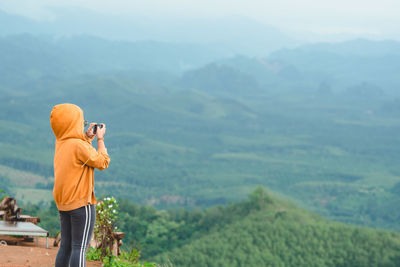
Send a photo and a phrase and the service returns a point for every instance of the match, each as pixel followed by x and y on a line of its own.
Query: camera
pixel 95 127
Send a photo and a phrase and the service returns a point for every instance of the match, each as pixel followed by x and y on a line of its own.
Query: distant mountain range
pixel 26 56
pixel 234 35
pixel 342 65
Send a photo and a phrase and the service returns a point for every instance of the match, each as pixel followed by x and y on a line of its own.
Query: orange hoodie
pixel 74 160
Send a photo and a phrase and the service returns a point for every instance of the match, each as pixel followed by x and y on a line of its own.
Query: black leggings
pixel 76 232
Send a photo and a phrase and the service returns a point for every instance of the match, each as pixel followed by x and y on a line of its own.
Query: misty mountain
pixel 15 24
pixel 371 66
pixel 360 47
pixel 214 79
pixel 24 57
pixel 232 34
pixel 342 64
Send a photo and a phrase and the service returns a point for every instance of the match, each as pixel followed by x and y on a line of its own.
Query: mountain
pixel 26 57
pixel 11 24
pixel 214 78
pixel 232 35
pixel 360 47
pixel 354 62
pixel 266 231
pixel 339 66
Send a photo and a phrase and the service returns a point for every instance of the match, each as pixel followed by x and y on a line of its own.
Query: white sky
pixel 380 18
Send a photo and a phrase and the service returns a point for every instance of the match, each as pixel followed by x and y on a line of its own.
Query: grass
pixel 21 178
pixel 31 195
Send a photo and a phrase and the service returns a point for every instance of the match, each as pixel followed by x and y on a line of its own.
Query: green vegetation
pixel 126 259
pixel 47 212
pixel 327 137
pixel 3 194
pixel 199 141
pixel 263 230
pixel 106 215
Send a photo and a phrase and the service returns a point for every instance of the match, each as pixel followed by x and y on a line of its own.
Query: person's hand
pixel 89 132
pixel 101 131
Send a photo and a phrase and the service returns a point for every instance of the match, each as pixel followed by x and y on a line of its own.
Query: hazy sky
pixel 373 18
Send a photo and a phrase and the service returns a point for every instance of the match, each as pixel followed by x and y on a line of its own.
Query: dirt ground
pixel 32 254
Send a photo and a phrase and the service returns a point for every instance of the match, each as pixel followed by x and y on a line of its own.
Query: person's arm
pixel 100 138
pixel 97 159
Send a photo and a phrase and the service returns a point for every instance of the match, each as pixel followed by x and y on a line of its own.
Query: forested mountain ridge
pixel 271 232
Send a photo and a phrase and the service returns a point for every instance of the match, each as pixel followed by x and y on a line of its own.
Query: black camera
pixel 95 127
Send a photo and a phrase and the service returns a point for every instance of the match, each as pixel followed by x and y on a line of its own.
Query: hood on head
pixel 67 121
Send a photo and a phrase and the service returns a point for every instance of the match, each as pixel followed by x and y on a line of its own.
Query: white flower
pixel 109 206
pixel 114 211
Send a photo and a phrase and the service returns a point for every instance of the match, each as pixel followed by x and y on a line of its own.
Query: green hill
pixel 270 232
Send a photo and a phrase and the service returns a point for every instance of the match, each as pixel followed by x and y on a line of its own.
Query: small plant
pixel 112 261
pixel 132 256
pixel 106 215
pixel 93 254
pixel 3 194
pixel 126 259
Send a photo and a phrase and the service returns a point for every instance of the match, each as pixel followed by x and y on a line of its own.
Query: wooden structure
pixel 9 211
pixel 16 228
pixel 114 245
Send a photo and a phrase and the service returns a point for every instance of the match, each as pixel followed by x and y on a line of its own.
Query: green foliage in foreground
pixel 106 214
pixel 126 259
pixel 156 231
pixel 3 194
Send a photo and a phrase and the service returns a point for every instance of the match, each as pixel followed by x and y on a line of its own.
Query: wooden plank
pixel 27 218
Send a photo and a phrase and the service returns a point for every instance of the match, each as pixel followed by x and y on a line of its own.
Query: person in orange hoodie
pixel 74 161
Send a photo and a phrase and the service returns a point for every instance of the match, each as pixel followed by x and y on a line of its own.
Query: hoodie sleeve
pixel 88 155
